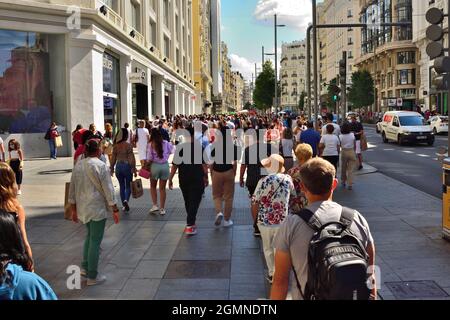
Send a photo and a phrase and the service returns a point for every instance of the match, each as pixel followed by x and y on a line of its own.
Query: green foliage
pixel 247 106
pixel 265 87
pixel 301 103
pixel 361 92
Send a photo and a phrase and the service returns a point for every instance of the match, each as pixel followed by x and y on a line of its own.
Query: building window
pixel 405 77
pixel 113 4
pixel 136 15
pixel 408 57
pixel 152 33
pixel 166 12
pixel 167 47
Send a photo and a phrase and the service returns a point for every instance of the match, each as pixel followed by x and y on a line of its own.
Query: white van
pixel 405 126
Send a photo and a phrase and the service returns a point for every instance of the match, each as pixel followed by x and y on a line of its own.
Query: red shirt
pixel 78 136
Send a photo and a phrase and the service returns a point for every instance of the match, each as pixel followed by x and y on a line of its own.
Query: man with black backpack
pixel 328 248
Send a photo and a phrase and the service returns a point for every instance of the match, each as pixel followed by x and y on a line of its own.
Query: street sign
pixel 399 102
pixel 392 102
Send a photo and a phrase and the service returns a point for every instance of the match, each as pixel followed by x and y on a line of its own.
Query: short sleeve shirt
pixel 273 193
pixel 356 127
pixel 299 201
pixel 294 236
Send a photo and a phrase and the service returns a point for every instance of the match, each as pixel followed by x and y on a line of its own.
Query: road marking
pixel 389 149
pixel 423 155
pixel 407 151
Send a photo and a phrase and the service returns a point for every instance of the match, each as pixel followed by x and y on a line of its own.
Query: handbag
pixel 67 206
pixel 58 142
pixel 136 189
pixel 144 173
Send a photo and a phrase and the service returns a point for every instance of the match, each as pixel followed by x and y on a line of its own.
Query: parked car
pixel 439 124
pixel 406 126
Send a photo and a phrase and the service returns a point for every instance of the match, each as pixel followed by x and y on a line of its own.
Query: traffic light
pixel 335 92
pixel 343 72
pixel 435 33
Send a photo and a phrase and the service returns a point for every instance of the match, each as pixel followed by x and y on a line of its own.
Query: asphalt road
pixel 415 165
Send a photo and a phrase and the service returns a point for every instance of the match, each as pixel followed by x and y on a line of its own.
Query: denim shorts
pixel 160 171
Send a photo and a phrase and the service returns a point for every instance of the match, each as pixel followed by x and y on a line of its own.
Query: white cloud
pixel 293 13
pixel 243 65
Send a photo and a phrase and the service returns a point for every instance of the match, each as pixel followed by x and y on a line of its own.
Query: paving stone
pixel 214 295
pixel 150 269
pixel 160 253
pixel 98 293
pixel 202 252
pixel 198 270
pixel 194 284
pixel 139 289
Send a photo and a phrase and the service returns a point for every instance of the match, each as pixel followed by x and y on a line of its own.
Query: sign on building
pixel 137 77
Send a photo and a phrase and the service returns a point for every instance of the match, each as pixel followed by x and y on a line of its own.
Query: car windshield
pixel 412 121
pixel 444 119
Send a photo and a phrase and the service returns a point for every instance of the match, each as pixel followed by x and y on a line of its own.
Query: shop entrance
pixel 140 102
pixel 111 109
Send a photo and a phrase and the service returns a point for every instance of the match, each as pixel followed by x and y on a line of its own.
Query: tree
pixel 361 92
pixel 247 106
pixel 264 87
pixel 301 103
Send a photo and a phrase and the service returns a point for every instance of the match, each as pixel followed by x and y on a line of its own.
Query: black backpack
pixel 337 260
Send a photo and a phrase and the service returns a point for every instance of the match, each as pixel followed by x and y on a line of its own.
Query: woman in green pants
pixel 92 198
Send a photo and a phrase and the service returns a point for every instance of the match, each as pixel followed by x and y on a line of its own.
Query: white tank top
pixel 14 154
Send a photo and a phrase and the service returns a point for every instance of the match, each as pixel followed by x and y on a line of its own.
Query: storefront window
pixel 111 89
pixel 25 98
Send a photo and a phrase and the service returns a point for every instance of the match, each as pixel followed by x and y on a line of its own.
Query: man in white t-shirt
pixel 329 120
pixel 2 151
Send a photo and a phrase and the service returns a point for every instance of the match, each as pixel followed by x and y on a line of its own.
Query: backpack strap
pixel 307 216
pixel 347 216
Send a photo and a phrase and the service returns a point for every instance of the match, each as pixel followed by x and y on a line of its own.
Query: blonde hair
pixel 303 152
pixel 8 188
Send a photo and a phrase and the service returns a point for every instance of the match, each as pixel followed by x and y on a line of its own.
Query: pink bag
pixel 144 173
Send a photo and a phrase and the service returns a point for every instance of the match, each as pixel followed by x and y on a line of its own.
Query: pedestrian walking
pixel 286 146
pixel 330 146
pixel 158 153
pixel 16 158
pixel 357 128
pixel 130 133
pixel 10 203
pixel 95 133
pixel 17 279
pixel 51 135
pixel 329 120
pixel 192 177
pixel 293 242
pixel 251 165
pixel 270 205
pixel 223 173
pixel 123 164
pixel 107 141
pixel 311 137
pixel 141 140
pixel 91 196
pixel 349 160
pixel 303 153
pixel 77 136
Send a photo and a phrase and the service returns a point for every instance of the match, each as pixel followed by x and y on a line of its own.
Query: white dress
pixel 142 142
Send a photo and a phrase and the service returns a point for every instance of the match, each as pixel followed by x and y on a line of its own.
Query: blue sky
pixel 248 24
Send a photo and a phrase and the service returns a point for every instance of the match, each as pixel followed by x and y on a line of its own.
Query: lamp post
pixel 276 26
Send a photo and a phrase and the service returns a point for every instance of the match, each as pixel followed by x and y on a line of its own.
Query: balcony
pixel 137 37
pixel 110 15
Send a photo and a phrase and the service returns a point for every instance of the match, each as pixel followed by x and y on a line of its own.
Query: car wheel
pixel 400 140
pixel 383 136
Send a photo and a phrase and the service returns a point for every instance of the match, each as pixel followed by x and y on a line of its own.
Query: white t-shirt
pixel 331 143
pixel 347 140
pixel 143 135
pixel 336 132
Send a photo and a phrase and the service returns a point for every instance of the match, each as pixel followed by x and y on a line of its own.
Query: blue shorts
pixel 160 171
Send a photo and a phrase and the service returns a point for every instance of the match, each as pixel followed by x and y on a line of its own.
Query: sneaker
pixel 219 219
pixel 126 206
pixel 83 273
pixel 99 280
pixel 190 230
pixel 154 209
pixel 228 223
pixel 269 279
pixel 162 212
pixel 19 192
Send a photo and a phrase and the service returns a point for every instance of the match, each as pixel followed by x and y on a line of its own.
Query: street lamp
pixel 276 26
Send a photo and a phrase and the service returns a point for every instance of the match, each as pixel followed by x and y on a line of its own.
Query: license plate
pixel 421 138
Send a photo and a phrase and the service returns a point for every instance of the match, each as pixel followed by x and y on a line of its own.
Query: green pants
pixel 91 253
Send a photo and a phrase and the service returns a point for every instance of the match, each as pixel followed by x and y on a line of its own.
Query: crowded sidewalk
pixel 147 256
